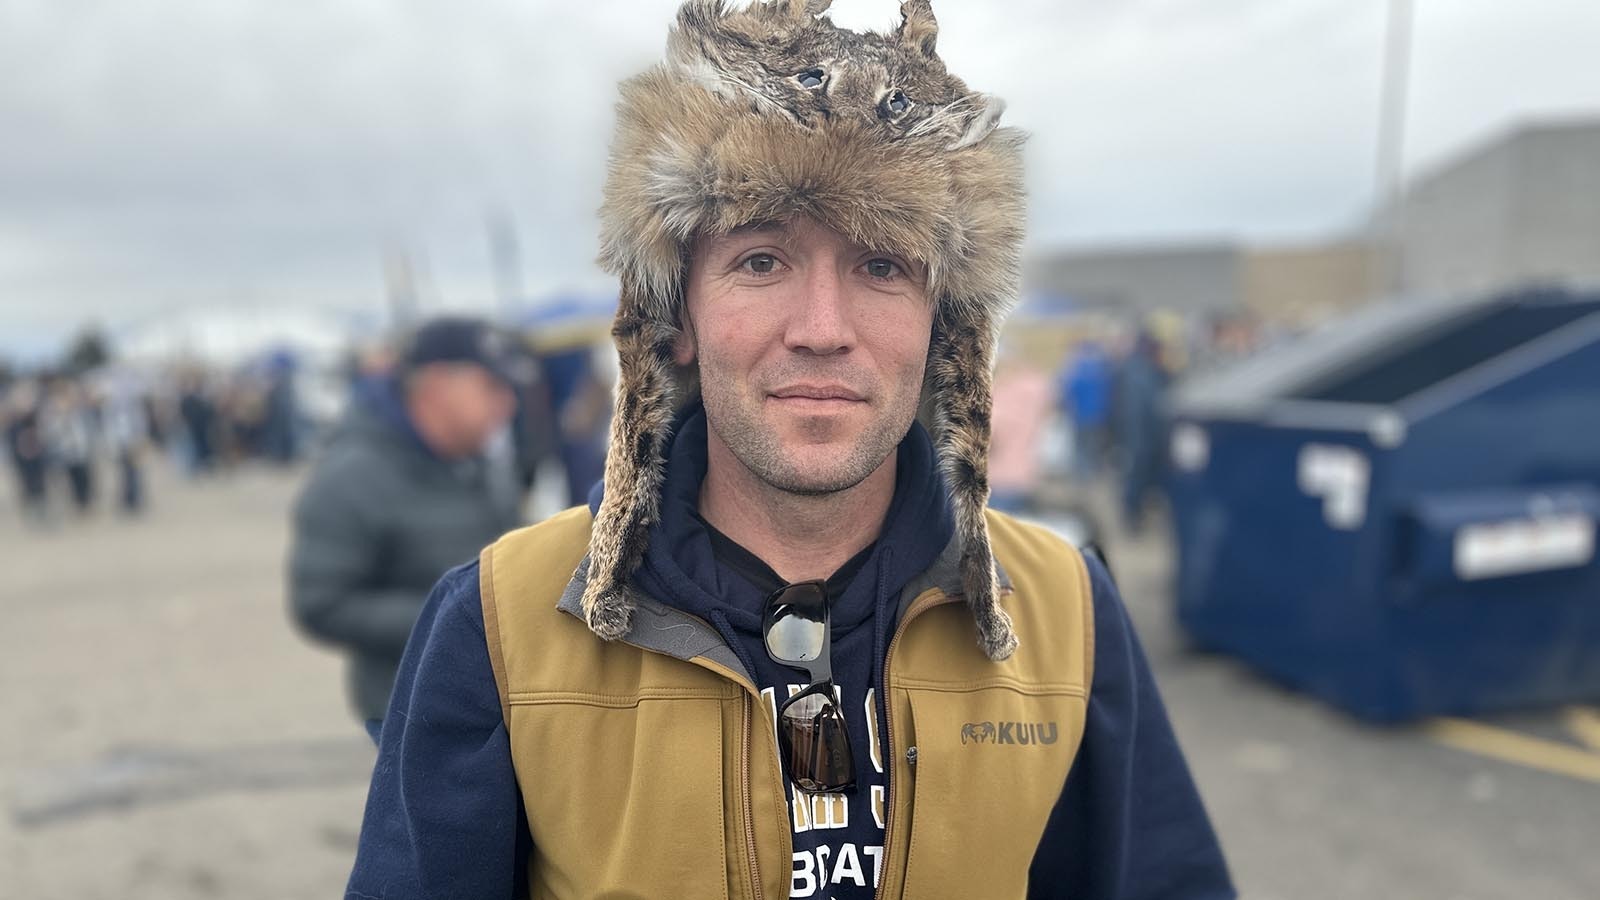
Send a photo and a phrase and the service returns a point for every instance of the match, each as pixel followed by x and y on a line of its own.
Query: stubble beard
pixel 757 447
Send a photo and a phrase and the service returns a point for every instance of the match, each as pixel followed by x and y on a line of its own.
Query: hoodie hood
pixel 680 558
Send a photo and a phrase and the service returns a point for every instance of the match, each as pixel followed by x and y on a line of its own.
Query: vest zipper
pixel 917 608
pixel 744 786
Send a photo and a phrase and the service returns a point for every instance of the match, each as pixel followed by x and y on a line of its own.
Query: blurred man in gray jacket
pixel 404 491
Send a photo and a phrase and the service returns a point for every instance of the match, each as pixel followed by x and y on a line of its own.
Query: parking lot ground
pixel 169 736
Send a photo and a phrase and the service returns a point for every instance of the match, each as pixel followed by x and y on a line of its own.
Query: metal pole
pixel 506 256
pixel 1387 227
pixel 400 278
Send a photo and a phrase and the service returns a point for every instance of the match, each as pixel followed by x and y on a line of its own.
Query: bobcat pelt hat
pixel 769 112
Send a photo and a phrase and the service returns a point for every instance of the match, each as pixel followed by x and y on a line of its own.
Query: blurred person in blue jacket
pixel 280 427
pixel 579 407
pixel 1141 388
pixel 1086 401
pixel 197 409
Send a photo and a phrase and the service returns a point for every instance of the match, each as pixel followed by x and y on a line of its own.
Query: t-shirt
pixel 838 837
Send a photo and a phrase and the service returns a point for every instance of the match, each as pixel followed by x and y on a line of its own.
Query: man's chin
pixel 819 474
pixel 805 458
pixel 811 486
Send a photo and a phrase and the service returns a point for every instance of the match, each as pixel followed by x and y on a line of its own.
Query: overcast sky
pixel 158 155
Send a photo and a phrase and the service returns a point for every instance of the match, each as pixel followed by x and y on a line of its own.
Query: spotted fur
pixel 769 112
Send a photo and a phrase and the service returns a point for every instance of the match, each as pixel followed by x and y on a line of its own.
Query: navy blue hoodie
pixel 1128 825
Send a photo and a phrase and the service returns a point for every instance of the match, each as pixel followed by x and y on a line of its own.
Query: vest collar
pixel 664 629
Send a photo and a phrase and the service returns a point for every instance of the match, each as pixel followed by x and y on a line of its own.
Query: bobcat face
pixel 783 57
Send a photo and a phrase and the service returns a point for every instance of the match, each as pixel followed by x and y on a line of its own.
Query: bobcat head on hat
pixel 785 57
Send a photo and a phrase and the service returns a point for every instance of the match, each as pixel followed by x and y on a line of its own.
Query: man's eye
pixel 882 268
pixel 761 264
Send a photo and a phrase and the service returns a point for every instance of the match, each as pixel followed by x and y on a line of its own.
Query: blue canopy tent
pixel 563 321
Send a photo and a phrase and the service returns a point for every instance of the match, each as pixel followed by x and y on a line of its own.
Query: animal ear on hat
pixel 808 9
pixel 698 17
pixel 918 28
pixel 984 119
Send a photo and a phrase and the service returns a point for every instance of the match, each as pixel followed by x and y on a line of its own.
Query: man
pixel 70 424
pixel 26 447
pixel 280 417
pixel 1086 398
pixel 126 432
pixel 581 402
pixel 402 493
pixel 774 657
pixel 198 411
pixel 1141 427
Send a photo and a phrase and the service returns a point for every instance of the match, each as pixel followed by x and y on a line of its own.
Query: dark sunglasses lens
pixel 793 637
pixel 817 744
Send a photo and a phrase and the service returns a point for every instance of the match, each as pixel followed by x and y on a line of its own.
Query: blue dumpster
pixel 1399 515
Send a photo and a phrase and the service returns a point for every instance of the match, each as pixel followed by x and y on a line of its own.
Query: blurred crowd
pixel 1096 411
pixel 79 440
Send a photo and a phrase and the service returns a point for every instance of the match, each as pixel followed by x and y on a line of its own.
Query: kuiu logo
pixel 977 732
pixel 1020 733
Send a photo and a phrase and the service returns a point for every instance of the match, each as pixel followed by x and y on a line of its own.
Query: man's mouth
pixel 817 392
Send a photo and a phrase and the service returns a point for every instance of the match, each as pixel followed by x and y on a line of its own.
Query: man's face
pixel 471 402
pixel 811 351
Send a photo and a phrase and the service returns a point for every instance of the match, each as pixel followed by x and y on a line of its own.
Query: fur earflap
pixel 771 112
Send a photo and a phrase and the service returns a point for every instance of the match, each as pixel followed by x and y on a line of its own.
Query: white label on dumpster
pixel 1339 475
pixel 1191 449
pixel 1520 546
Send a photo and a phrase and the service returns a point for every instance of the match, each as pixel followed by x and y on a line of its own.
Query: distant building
pixel 1309 283
pixel 1185 278
pixel 1523 207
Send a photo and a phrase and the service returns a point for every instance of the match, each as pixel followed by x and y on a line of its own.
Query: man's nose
pixel 821 322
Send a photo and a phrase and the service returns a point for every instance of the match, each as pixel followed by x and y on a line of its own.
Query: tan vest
pixel 649 767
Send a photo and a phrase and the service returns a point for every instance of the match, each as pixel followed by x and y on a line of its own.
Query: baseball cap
pixel 452 339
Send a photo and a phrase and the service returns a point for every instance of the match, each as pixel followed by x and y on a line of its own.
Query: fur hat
pixel 769 112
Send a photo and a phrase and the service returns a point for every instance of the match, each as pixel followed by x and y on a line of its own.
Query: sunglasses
pixel 811 728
